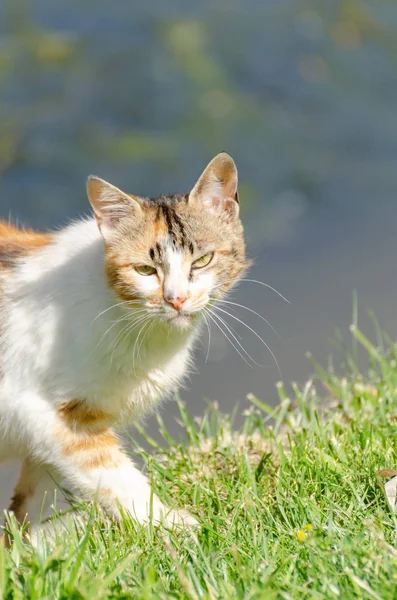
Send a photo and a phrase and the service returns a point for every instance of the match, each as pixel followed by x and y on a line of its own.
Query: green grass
pixel 290 506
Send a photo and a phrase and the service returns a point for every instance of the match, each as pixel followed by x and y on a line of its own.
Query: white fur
pixel 176 279
pixel 58 342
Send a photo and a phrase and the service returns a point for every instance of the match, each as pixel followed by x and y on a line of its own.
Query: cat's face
pixel 173 255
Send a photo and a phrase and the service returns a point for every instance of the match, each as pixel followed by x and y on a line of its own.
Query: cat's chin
pixel 183 321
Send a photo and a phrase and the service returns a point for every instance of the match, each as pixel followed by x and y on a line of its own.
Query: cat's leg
pixel 40 495
pixel 24 492
pixel 97 468
pixel 76 445
pixel 38 501
pixel 91 458
pixel 45 516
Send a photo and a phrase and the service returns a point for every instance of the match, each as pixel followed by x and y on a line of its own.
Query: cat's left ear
pixel 216 188
pixel 110 205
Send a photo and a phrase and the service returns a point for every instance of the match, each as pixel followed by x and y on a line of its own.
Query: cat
pixel 97 324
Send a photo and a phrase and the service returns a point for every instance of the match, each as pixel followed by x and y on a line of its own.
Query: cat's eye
pixel 203 261
pixel 145 270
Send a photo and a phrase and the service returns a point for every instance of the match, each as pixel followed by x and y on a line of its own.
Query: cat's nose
pixel 176 302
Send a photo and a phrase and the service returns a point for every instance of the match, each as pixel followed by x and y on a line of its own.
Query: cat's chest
pixel 133 389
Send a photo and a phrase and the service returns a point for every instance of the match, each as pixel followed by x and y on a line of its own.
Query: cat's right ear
pixel 110 205
pixel 216 189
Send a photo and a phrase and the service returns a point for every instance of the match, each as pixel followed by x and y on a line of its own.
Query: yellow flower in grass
pixel 308 527
pixel 301 535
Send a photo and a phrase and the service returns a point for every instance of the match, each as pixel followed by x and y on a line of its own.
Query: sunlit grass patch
pixel 290 505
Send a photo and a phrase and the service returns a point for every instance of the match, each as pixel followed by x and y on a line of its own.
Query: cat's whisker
pixel 222 283
pixel 144 337
pixel 123 318
pixel 126 317
pixel 211 316
pixel 253 281
pixel 124 302
pixel 131 320
pixel 237 338
pixel 233 334
pixel 138 341
pixel 234 331
pixel 134 357
pixel 267 286
pixel 123 334
pixel 251 311
pixel 256 334
pixel 209 336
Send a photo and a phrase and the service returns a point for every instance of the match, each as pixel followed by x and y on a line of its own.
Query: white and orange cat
pixel 97 324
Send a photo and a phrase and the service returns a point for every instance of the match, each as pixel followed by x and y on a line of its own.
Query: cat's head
pixel 173 255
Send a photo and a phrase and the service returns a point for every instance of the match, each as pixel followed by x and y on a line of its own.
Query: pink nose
pixel 176 302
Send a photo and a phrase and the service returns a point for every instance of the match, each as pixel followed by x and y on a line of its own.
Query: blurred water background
pixel 302 93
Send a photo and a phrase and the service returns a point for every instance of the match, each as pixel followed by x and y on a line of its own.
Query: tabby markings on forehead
pixel 176 229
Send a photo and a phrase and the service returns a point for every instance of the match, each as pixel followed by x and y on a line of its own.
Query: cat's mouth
pixel 181 320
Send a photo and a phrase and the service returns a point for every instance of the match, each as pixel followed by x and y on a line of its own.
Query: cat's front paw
pixel 180 518
pixel 159 514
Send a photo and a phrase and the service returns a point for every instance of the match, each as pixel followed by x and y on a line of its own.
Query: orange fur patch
pixel 119 281
pixel 15 243
pixel 85 436
pixel 78 416
pixel 93 451
pixel 159 228
pixel 100 458
pixel 90 442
